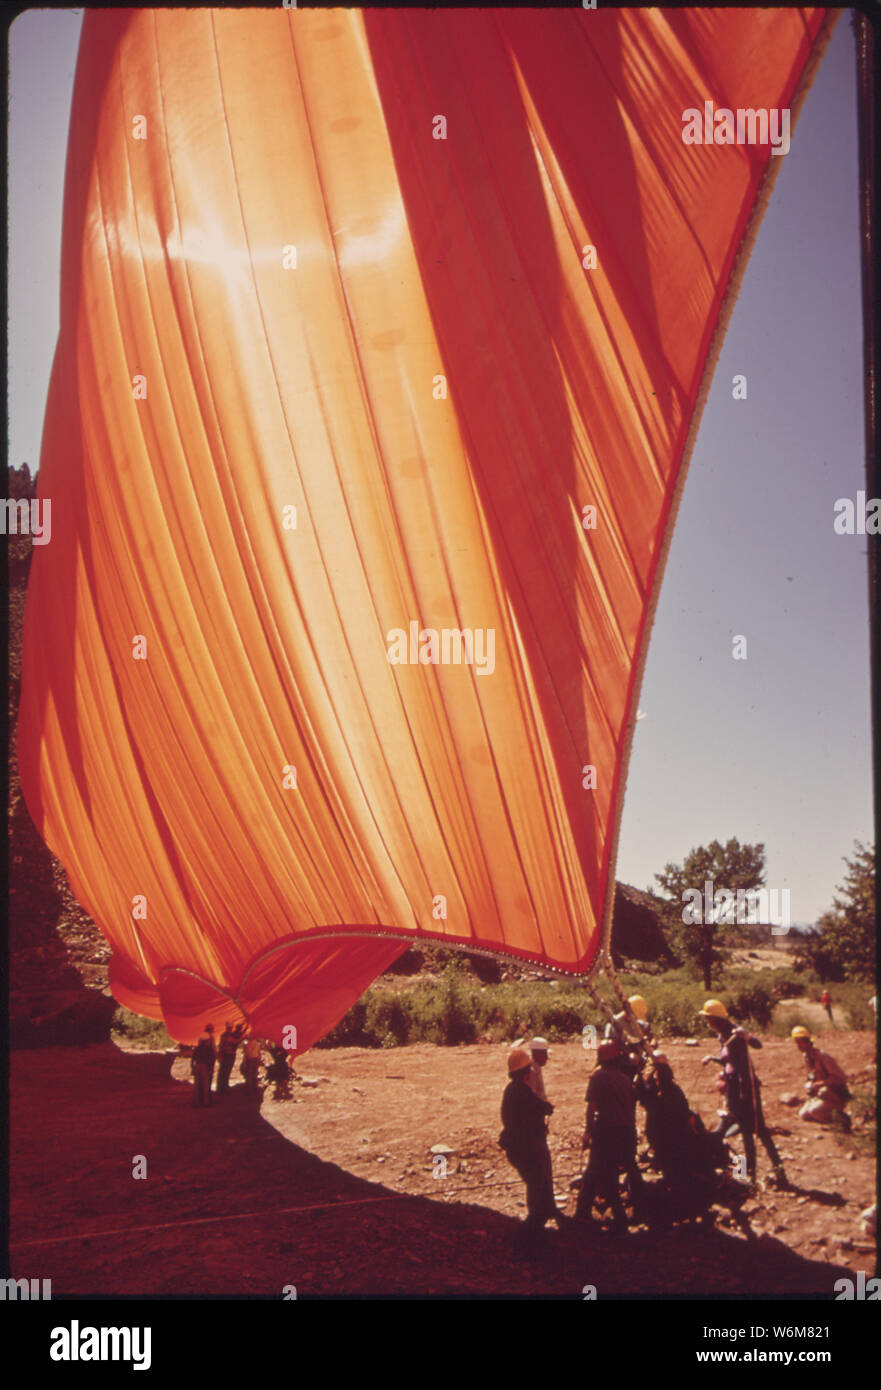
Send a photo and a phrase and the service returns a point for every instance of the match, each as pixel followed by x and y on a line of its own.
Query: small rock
pixel 309 1080
pixel 818 1240
pixel 844 1242
pixel 441 1149
pixel 800 1201
pixel 691 1042
pixel 851 1156
pixel 790 1098
pixel 382 1158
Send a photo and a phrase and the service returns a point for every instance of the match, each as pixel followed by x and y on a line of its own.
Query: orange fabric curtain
pixel 335 381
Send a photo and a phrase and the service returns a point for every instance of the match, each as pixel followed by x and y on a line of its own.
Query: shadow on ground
pixel 230 1207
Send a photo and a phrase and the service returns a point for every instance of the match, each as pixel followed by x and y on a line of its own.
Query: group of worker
pixel 221 1053
pixel 685 1152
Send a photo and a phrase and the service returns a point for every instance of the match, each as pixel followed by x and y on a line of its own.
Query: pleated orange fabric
pixel 328 652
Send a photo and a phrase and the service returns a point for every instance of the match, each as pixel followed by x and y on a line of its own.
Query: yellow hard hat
pixel 714 1008
pixel 518 1058
pixel 800 1032
pixel 638 1006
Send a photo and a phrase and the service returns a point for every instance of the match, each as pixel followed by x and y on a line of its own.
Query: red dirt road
pixel 351 1154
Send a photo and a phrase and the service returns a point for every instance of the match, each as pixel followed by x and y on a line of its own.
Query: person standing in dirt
pixel 279 1073
pixel 227 1048
pixel 826 1001
pixel 610 1134
pixel 535 1080
pixel 251 1065
pixel 524 1140
pixel 742 1089
pixel 204 1054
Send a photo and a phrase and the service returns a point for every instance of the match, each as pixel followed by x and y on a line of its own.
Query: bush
pixel 146 1033
pixel 452 1007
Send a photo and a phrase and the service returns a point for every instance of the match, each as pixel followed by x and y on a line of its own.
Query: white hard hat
pixel 538 1045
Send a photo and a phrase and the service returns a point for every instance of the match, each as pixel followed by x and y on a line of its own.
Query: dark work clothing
pixel 524 1139
pixel 744 1099
pixel 612 1151
pixel 610 1092
pixel 611 1121
pixel 227 1049
pixel 668 1127
pixel 523 1118
pixel 205 1052
pixel 742 1086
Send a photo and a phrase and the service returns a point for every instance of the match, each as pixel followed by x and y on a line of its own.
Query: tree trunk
pixel 707 962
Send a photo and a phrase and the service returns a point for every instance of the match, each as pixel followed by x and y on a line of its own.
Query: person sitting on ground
pixel 826 1084
pixel 524 1140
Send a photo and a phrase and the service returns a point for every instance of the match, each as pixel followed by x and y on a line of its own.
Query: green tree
pixel 843 946
pixel 694 923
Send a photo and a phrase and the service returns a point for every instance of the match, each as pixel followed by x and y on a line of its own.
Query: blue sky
pixel 775 748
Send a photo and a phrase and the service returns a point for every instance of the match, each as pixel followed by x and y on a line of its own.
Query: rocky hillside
pixel 57 956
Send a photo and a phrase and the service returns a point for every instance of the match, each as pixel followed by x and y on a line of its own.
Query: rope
pixel 276 1211
pixel 642 1036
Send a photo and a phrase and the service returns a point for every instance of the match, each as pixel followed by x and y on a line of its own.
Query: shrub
pixel 146 1033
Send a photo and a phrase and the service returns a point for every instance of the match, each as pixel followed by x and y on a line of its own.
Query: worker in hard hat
pixel 667 1116
pixel 639 1007
pixel 539 1051
pixel 631 1024
pixel 524 1140
pixel 610 1134
pixel 826 1085
pixel 742 1088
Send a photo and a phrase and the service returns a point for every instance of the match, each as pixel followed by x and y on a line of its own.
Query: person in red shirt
pixel 826 1085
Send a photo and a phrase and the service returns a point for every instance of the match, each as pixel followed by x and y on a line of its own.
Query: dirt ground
pixel 334 1191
